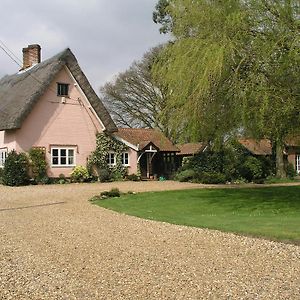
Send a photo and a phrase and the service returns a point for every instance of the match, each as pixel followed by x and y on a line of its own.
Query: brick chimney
pixel 31 55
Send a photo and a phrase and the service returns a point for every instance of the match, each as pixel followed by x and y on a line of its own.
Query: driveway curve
pixel 55 245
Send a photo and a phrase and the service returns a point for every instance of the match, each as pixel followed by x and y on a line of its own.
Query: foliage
pixel 80 174
pixel 186 175
pixel 38 164
pixel 62 179
pixel 133 177
pixel 161 16
pixel 230 163
pixel 212 178
pixel 290 171
pixel 271 212
pixel 98 159
pixel 114 192
pixel 251 169
pixel 1 175
pixel 104 175
pixel 16 167
pixel 134 99
pixel 232 65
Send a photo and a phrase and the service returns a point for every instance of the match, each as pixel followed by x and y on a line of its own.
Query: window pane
pixel 54 160
pixel 63 152
pixel 63 160
pixel 55 152
pixel 70 160
pixel 62 89
pixel 71 152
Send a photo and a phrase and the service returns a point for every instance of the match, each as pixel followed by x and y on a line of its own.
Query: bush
pixel 133 177
pixel 212 178
pixel 252 169
pixel 16 167
pixel 290 171
pixel 113 193
pixel 38 164
pixel 186 175
pixel 62 179
pixel 1 175
pixel 105 175
pixel 80 174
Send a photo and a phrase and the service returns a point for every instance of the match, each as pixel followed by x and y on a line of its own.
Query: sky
pixel 106 36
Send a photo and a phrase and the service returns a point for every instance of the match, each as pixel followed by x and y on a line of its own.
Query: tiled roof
pixel 20 92
pixel 293 141
pixel 141 137
pixel 257 147
pixel 190 148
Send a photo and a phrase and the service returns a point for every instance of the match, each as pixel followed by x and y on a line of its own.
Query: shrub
pixel 104 175
pixel 133 177
pixel 290 171
pixel 46 180
pixel 252 169
pixel 15 170
pixel 80 174
pixel 186 175
pixel 1 175
pixel 38 164
pixel 114 192
pixel 212 178
pixel 62 179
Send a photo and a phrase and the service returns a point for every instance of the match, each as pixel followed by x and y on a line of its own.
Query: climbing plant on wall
pixel 98 158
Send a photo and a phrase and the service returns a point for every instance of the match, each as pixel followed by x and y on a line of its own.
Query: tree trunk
pixel 280 170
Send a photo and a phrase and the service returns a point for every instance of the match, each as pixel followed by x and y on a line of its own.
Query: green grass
pixel 281 180
pixel 271 212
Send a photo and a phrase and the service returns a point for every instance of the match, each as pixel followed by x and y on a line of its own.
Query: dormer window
pixel 62 89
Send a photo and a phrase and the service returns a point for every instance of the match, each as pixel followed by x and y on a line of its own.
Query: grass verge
pixel 271 212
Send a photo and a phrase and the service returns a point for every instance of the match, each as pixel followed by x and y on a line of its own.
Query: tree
pixel 233 65
pixel 134 99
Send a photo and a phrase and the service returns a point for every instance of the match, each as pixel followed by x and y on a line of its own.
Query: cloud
pixel 106 36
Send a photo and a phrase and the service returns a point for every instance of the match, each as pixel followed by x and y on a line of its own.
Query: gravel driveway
pixel 55 245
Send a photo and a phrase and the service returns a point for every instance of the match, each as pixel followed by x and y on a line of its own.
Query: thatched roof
pixel 20 92
pixel 141 137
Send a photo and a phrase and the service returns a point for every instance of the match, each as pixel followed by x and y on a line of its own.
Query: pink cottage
pixel 51 105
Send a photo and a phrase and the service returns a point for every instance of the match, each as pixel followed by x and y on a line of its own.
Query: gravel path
pixel 55 245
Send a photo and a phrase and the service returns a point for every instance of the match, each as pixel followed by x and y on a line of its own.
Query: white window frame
pixel 3 156
pixel 111 158
pixel 123 159
pixel 67 165
pixel 297 161
pixel 60 88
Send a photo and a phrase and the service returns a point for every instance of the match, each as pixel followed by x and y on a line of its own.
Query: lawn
pixel 271 212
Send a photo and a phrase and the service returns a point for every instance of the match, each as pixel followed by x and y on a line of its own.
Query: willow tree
pixel 233 64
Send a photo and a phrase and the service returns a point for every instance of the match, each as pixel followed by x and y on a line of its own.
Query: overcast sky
pixel 106 36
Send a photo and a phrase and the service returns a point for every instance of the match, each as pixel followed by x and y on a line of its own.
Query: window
pixel 3 155
pixel 62 157
pixel 125 159
pixel 111 159
pixel 62 89
pixel 298 163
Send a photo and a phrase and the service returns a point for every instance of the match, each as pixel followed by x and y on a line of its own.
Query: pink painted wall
pixel 132 169
pixel 7 139
pixel 53 123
